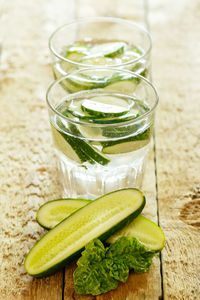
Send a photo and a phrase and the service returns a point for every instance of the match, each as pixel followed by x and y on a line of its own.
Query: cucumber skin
pixel 102 237
pixel 47 228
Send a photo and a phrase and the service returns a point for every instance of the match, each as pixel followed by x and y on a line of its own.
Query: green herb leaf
pixel 100 268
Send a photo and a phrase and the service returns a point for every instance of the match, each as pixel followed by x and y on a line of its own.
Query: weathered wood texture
pixel 27 163
pixel 175 30
pixel 28 168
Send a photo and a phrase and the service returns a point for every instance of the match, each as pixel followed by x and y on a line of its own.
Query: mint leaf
pixel 93 280
pixel 132 253
pixel 99 268
pixel 94 252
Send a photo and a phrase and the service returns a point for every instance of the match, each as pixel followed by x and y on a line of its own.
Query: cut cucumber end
pixel 98 219
pixel 53 212
pixel 146 231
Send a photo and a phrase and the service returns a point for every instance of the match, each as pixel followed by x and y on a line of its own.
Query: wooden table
pixel 28 169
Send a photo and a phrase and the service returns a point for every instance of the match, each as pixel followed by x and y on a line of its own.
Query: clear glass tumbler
pixel 100 41
pixel 101 122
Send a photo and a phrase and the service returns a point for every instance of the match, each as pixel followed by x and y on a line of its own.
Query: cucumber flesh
pixel 123 87
pixel 53 212
pixel 98 219
pixel 79 147
pixel 101 109
pixel 108 49
pixel 146 231
pixel 128 144
pixel 125 147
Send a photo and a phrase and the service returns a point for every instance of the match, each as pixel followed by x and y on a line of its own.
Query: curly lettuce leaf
pixel 99 268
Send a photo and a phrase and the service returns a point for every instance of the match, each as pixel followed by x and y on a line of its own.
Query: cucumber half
pixel 53 212
pixel 99 219
pixel 147 232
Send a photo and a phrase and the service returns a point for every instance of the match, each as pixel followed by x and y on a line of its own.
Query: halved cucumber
pixel 53 212
pixel 112 49
pixel 99 219
pixel 147 232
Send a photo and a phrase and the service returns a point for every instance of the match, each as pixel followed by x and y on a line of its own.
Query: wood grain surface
pixel 28 174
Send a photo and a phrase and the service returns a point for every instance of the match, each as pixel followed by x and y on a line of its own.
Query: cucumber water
pixel 98 54
pixel 99 146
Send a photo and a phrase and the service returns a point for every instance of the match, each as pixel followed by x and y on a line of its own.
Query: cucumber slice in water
pixel 125 147
pixel 105 106
pixel 108 49
pixel 80 147
pixel 146 231
pixel 99 219
pixel 53 212
pixel 128 144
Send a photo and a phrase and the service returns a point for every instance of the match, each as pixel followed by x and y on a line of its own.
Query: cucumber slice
pixel 146 231
pixel 66 146
pixel 129 144
pixel 105 106
pixel 108 49
pixel 53 212
pixel 97 61
pixel 98 219
pixel 125 147
pixel 79 83
pixel 123 87
pixel 69 145
pixel 80 147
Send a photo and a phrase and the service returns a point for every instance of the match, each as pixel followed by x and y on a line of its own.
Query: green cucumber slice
pixel 65 146
pixel 123 87
pixel 128 144
pixel 146 231
pixel 69 145
pixel 94 154
pixel 53 212
pixel 81 148
pixel 97 61
pixel 125 147
pixel 108 49
pixel 99 219
pixel 105 106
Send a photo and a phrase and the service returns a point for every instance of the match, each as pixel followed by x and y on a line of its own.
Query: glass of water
pixel 102 121
pixel 100 41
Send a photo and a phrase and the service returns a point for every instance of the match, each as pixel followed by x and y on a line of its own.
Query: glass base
pixel 91 181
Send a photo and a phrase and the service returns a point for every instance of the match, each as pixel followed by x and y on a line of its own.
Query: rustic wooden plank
pixel 28 167
pixel 138 286
pixel 176 48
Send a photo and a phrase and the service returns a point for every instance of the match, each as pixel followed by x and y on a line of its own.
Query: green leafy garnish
pixel 99 268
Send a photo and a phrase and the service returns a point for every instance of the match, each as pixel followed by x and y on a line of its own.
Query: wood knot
pixel 190 213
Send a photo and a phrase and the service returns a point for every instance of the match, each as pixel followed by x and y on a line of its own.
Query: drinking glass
pixel 100 41
pixel 101 121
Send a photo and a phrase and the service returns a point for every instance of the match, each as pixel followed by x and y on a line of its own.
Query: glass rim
pixel 102 125
pixel 100 19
